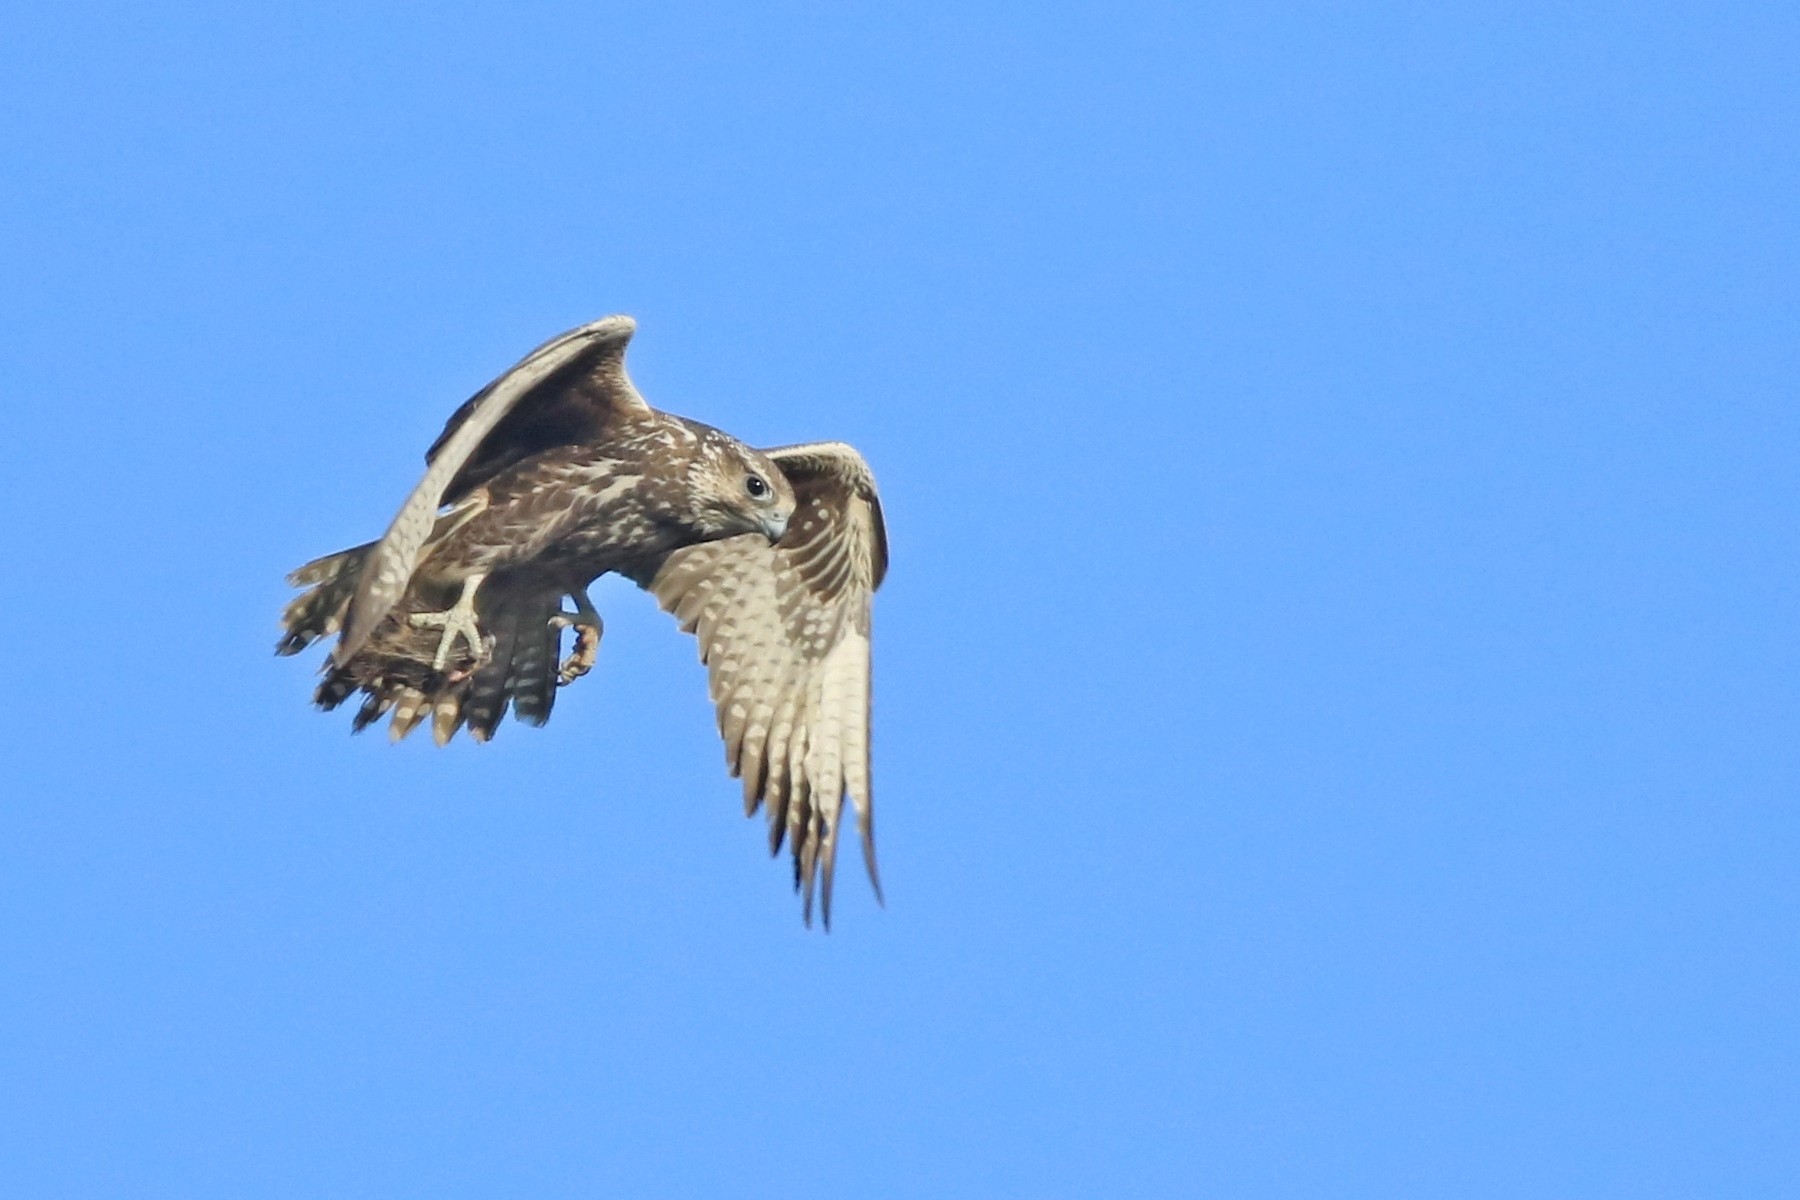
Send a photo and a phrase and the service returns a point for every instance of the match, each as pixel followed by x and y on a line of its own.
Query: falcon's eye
pixel 756 487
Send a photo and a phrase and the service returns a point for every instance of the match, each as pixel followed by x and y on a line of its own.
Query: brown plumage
pixel 557 473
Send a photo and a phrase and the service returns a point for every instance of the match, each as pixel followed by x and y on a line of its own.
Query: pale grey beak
pixel 775 524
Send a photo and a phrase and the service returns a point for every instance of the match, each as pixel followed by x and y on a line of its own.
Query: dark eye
pixel 756 487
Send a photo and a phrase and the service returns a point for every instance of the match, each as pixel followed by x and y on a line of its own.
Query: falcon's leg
pixel 457 620
pixel 588 629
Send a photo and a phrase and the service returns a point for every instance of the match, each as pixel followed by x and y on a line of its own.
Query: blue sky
pixel 1336 708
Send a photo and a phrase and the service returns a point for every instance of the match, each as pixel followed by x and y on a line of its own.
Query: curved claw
pixel 459 620
pixel 588 630
pixel 582 657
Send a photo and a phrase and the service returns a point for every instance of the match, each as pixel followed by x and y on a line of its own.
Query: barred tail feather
pixel 487 699
pixel 337 687
pixel 531 677
pixel 394 670
pixel 374 706
pixel 319 611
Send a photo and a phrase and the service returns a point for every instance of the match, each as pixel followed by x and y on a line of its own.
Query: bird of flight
pixel 558 472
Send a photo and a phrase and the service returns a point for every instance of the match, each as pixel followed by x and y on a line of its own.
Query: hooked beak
pixel 774 525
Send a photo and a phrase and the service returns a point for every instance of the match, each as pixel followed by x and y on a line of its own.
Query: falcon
pixel 559 472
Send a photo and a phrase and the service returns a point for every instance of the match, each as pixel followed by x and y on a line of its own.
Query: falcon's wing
pixel 565 391
pixel 784 633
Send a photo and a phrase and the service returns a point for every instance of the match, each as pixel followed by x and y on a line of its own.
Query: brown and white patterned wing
pixel 566 387
pixel 784 633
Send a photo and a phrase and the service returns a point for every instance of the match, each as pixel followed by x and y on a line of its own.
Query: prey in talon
pixel 559 472
pixel 455 622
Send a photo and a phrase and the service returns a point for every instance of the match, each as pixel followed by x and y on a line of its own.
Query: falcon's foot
pixel 588 628
pixel 459 620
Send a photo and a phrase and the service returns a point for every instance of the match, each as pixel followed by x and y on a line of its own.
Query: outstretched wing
pixel 784 633
pixel 566 391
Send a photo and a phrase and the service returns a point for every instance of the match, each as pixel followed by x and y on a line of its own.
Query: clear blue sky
pixel 1336 692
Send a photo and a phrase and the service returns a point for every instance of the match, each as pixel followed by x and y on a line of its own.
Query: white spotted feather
pixel 784 632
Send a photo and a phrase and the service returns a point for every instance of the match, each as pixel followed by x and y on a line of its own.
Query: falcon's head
pixel 734 490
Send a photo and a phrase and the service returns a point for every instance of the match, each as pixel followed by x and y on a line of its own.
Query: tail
pixel 319 611
pixel 394 671
pixel 522 668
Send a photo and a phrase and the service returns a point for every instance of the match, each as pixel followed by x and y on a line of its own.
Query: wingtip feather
pixel 874 875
